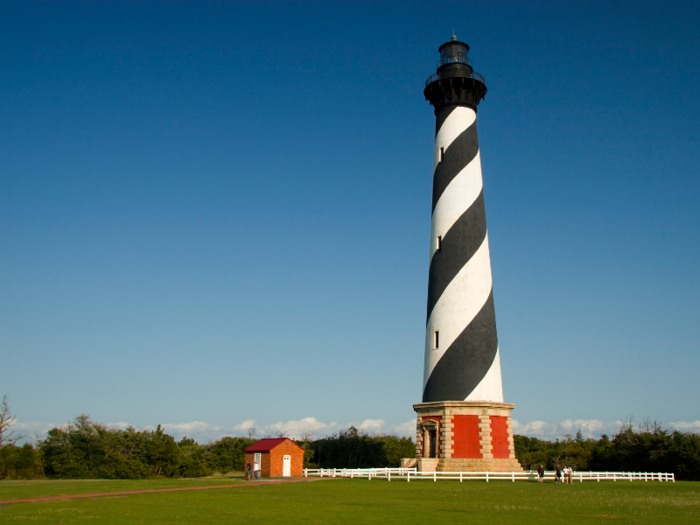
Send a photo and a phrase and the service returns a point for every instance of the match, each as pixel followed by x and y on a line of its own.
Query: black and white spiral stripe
pixel 465 365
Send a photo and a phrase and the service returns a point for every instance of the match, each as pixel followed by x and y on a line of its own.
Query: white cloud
pixel 246 425
pixel 202 432
pixel 31 429
pixel 685 426
pixel 407 429
pixel 297 429
pixel 191 429
pixel 590 428
pixel 538 429
pixel 122 425
pixel 371 426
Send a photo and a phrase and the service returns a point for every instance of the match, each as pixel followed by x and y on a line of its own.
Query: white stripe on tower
pixel 462 360
pixel 458 305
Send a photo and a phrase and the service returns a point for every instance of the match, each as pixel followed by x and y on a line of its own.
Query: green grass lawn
pixel 359 501
pixel 37 489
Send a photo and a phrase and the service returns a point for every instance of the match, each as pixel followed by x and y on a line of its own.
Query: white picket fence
pixel 413 474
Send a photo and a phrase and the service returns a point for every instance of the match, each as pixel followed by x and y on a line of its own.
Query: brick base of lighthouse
pixel 467 436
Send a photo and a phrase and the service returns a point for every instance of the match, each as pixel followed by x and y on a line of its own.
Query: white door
pixel 287 466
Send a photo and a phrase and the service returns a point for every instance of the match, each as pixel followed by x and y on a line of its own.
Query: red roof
pixel 267 444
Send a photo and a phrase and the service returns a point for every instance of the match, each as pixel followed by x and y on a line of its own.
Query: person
pixel 248 471
pixel 256 470
pixel 557 474
pixel 571 474
pixel 540 474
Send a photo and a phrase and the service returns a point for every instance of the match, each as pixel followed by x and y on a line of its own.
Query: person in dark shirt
pixel 540 474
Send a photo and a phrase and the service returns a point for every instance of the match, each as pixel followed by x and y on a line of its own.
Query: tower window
pixel 436 339
pixel 438 247
pixel 442 154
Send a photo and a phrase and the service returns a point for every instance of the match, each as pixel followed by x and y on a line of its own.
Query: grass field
pixel 37 489
pixel 356 501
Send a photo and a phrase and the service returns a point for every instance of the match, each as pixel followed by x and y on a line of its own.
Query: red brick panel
pixel 265 465
pixel 465 437
pixel 499 437
pixel 276 459
pixel 276 463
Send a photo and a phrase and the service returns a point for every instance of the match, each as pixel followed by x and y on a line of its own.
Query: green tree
pixel 19 462
pixel 352 448
pixel 161 453
pixel 191 464
pixel 84 449
pixel 227 453
pixel 643 448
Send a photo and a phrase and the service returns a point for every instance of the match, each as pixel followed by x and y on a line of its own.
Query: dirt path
pixel 151 491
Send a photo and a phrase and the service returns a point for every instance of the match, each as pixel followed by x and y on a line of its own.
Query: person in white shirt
pixel 256 470
pixel 567 475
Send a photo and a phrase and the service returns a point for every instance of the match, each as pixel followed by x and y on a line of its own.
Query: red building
pixel 277 457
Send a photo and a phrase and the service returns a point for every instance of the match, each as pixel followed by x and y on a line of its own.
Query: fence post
pixel 408 477
pixel 390 475
pixel 435 476
pixel 598 476
pixel 513 473
pixel 614 476
pixel 487 477
pixel 460 476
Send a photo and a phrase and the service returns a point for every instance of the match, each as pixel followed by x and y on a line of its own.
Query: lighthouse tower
pixel 463 423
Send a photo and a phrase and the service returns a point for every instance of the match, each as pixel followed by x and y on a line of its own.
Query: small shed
pixel 277 457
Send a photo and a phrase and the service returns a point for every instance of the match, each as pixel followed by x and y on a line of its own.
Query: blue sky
pixel 216 215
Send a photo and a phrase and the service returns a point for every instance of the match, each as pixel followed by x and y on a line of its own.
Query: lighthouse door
pixel 287 466
pixel 432 436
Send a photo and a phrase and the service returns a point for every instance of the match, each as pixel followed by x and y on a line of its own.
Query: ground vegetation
pixel 84 449
pixel 639 448
pixel 330 501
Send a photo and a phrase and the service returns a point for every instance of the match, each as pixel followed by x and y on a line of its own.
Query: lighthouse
pixel 462 422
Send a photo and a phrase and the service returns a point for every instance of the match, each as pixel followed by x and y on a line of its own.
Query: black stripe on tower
pixel 458 246
pixel 466 362
pixel 460 152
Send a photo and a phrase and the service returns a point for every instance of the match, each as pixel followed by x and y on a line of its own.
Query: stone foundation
pixel 479 465
pixel 468 436
pixel 428 464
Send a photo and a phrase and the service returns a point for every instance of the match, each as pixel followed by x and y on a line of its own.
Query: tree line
pixel 644 448
pixel 353 448
pixel 88 450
